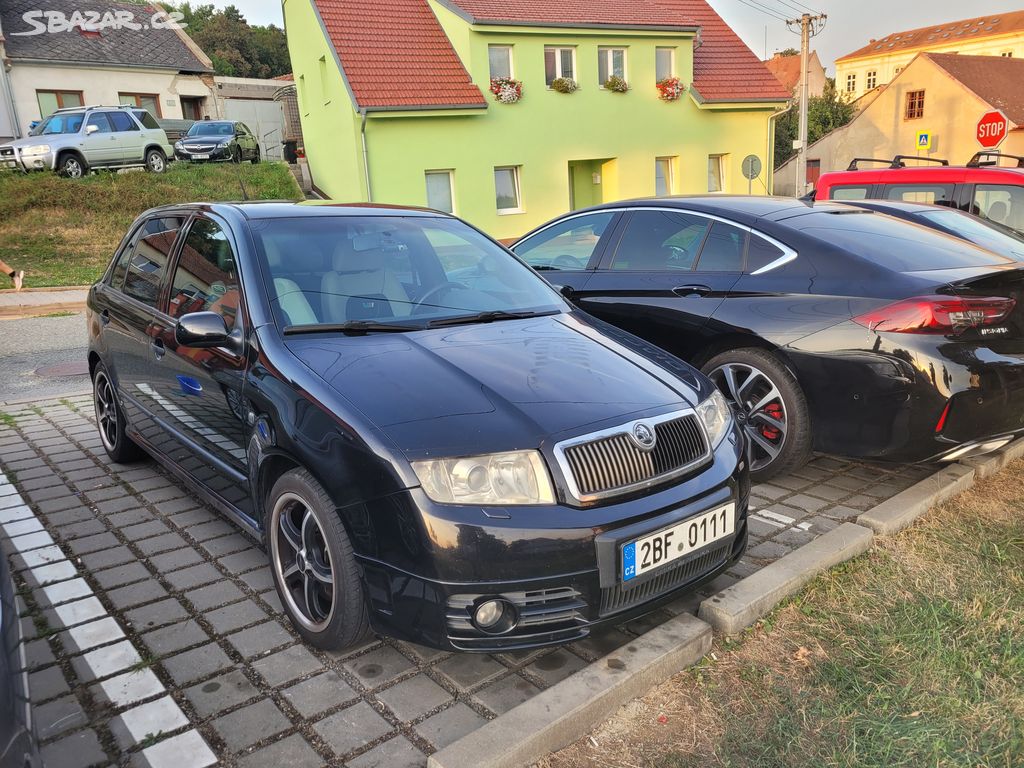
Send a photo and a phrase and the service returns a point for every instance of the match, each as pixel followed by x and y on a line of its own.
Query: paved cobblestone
pixel 198 609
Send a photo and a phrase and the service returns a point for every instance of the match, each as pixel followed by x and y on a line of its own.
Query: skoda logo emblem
pixel 644 436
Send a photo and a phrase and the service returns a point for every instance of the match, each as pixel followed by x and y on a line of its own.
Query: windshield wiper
pixel 351 328
pixel 486 317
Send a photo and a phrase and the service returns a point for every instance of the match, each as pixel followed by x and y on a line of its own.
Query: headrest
pixel 359 254
pixel 287 255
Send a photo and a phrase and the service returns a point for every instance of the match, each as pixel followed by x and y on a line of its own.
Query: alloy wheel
pixel 156 162
pixel 303 562
pixel 73 168
pixel 758 407
pixel 106 410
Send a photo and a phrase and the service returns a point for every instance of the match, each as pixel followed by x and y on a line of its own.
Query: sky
pixel 851 23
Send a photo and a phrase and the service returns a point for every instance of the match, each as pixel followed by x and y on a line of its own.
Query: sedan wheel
pixel 110 419
pixel 769 407
pixel 314 569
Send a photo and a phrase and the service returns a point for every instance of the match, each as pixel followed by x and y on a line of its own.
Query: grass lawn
pixel 912 655
pixel 64 231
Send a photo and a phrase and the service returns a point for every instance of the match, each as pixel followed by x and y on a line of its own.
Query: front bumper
pixel 203 156
pixel 564 581
pixel 12 158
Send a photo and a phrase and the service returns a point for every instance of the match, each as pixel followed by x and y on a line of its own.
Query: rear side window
pixel 147 263
pixel 147 120
pixel 723 249
pixel 934 194
pixel 122 121
pixel 761 253
pixel 894 243
pixel 1001 203
pixel 848 193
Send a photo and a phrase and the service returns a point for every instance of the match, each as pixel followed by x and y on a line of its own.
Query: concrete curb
pixel 986 466
pixel 737 607
pixel 899 512
pixel 569 709
pixel 37 310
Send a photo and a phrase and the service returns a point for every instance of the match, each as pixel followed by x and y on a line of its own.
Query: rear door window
pixel 655 241
pixel 723 249
pixel 1001 203
pixel 147 264
pixel 122 122
pixel 849 192
pixel 933 194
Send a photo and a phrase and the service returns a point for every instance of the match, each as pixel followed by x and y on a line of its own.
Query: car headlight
pixel 716 415
pixel 518 477
pixel 178 145
pixel 36 149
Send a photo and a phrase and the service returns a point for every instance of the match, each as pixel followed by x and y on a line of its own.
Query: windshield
pixel 993 237
pixel 895 243
pixel 55 124
pixel 207 128
pixel 411 271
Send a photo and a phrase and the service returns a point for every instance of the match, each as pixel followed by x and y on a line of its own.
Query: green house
pixel 509 112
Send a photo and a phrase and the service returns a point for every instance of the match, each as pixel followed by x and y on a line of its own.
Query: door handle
pixel 691 290
pixel 158 348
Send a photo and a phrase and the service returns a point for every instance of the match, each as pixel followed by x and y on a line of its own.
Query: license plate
pixel 658 549
pixel 201 157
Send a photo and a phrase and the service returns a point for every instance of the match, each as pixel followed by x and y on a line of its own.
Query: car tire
pixel 770 407
pixel 255 156
pixel 110 419
pixel 313 565
pixel 236 155
pixel 156 161
pixel 72 166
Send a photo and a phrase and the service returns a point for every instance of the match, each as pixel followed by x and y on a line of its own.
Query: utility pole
pixel 809 26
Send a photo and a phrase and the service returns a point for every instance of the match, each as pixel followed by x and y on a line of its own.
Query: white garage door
pixel 264 118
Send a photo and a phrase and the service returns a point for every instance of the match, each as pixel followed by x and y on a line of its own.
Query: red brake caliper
pixel 775 411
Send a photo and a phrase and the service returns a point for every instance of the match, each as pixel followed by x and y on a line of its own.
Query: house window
pixel 664 177
pixel 715 173
pixel 664 63
pixel 872 79
pixel 439 191
pixel 559 62
pixel 147 101
pixel 1007 54
pixel 851 83
pixel 915 105
pixel 898 70
pixel 51 101
pixel 506 190
pixel 610 62
pixel 500 58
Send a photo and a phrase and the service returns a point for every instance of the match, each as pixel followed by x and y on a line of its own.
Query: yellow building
pixel 880 61
pixel 940 95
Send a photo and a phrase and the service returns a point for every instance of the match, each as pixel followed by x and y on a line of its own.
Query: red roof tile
pixel 787 68
pixel 395 54
pixel 997 80
pixel 936 35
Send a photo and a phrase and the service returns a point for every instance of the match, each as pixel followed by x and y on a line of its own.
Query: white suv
pixel 72 141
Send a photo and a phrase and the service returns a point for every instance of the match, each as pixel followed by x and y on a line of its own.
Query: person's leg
pixel 17 276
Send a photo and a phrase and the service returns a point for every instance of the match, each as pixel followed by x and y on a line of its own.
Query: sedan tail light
pixel 937 314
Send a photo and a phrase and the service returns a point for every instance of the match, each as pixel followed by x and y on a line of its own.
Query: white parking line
pixel 89 626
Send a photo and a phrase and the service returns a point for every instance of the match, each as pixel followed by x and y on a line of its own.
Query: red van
pixel 982 187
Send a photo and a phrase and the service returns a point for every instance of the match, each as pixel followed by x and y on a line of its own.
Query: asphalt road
pixel 37 355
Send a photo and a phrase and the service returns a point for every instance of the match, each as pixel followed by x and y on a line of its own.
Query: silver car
pixel 72 141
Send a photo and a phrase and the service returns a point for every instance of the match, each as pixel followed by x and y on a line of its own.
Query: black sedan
pixel 218 141
pixel 988 234
pixel 429 440
pixel 18 741
pixel 828 327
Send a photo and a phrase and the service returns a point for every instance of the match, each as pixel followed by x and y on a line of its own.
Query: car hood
pixel 494 386
pixel 32 141
pixel 206 139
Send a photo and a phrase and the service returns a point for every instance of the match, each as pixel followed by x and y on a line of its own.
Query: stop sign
pixel 992 129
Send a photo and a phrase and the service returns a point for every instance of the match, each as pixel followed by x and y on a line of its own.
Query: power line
pixel 798 6
pixel 763 9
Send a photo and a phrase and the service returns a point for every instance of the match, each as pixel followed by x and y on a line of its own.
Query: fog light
pixel 494 616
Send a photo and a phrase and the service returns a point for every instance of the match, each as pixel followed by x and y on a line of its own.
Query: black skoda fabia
pixel 427 439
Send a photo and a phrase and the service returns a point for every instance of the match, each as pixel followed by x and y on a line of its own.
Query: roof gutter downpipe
pixel 5 86
pixel 770 149
pixel 366 157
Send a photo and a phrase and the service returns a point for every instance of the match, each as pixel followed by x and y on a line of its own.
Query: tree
pixel 825 113
pixel 788 52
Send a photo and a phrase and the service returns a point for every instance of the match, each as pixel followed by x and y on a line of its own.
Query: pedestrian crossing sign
pixel 924 140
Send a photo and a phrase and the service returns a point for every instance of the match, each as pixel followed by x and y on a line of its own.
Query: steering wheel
pixel 565 261
pixel 437 290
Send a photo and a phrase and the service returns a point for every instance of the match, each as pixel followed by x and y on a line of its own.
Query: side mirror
pixel 91 129
pixel 566 291
pixel 202 330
